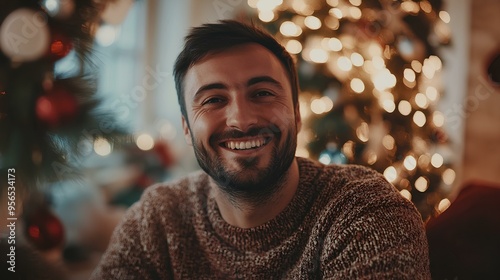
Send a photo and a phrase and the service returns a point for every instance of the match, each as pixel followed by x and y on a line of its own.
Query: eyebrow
pixel 251 82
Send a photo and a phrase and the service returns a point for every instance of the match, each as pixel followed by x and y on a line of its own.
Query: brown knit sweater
pixel 344 222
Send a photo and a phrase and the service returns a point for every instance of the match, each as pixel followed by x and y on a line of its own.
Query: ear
pixel 298 119
pixel 187 132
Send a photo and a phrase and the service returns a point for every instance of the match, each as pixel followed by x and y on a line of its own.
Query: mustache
pixel 251 132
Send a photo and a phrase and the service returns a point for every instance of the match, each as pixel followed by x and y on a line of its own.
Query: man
pixel 256 211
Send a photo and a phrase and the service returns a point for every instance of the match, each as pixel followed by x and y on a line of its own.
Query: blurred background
pixel 89 115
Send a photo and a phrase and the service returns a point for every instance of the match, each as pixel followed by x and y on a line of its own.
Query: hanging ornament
pixel 332 155
pixel 59 9
pixel 43 229
pixel 24 35
pixel 60 46
pixel 57 106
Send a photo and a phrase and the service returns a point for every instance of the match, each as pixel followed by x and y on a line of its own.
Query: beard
pixel 250 183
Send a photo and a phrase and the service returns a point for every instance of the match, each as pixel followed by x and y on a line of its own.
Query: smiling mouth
pixel 246 145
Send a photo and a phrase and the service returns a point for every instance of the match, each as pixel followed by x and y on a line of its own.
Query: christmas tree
pixel 370 76
pixel 48 119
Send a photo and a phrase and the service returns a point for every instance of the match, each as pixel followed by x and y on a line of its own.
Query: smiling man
pixel 256 211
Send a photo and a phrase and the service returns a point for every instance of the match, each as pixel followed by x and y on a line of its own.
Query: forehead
pixel 235 66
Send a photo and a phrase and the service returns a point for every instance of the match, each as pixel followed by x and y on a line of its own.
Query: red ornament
pixel 60 46
pixel 44 230
pixel 57 107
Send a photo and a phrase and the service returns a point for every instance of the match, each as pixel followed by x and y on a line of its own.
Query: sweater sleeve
pixel 381 238
pixel 133 252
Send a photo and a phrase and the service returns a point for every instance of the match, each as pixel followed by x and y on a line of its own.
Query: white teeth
pixel 244 145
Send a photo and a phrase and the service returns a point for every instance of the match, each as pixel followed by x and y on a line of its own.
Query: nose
pixel 241 115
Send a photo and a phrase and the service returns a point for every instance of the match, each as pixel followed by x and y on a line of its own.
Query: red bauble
pixel 44 230
pixel 57 107
pixel 60 46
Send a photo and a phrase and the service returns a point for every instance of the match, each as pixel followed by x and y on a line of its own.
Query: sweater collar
pixel 273 232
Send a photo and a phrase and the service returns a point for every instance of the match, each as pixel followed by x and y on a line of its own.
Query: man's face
pixel 242 121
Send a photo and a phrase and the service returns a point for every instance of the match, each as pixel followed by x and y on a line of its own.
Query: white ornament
pixel 24 35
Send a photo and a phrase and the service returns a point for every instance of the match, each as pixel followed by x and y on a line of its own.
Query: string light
pixel 417 66
pixel 390 174
pixel 406 194
pixel 438 119
pixel 421 100
pixel 102 147
pixel 363 131
pixel 355 2
pixel 409 75
pixel 334 44
pixel 449 176
pixel 344 63
pixel 266 15
pixel 355 13
pixel 419 118
pixel 444 16
pixel 293 46
pixel 145 142
pixel 336 12
pixel 410 163
pixel 432 93
pixel 290 29
pixel 404 107
pixel 357 85
pixel 388 142
pixel 421 184
pixel 443 205
pixel 357 59
pixel 437 160
pixel 318 56
pixel 312 22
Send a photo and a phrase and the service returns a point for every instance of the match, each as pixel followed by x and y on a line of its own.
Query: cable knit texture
pixel 344 222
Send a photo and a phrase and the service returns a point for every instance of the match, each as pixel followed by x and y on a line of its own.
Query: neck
pixel 246 214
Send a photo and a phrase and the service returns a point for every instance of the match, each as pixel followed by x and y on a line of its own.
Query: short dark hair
pixel 214 37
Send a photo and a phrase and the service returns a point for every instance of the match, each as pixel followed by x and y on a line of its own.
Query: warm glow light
pixel 290 29
pixel 409 75
pixel 336 12
pixel 333 3
pixel 437 160
pixel 302 152
pixel 435 62
pixel 449 176
pixel 410 7
pixel 390 174
pixel 424 160
pixel 406 194
pixel 355 2
pixel 344 63
pixel 318 56
pixel 293 47
pixel 416 65
pixel 389 105
pixel 404 107
pixel 302 8
pixel 421 100
pixel 363 132
pixel 428 70
pixel 253 3
pixel 438 119
pixel 357 59
pixel 355 12
pixel 410 163
pixel 334 44
pixel 145 142
pixel 419 118
pixel 327 102
pixel 375 50
pixel 312 22
pixel 378 62
pixel 426 6
pixel 357 85
pixel 269 5
pixel 388 142
pixel 384 80
pixel 443 205
pixel 421 184
pixel 318 106
pixel 432 93
pixel 332 22
pixel 106 35
pixel 102 147
pixel 266 15
pixel 444 16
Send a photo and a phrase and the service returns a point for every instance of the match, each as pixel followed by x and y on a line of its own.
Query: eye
pixel 263 93
pixel 212 100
